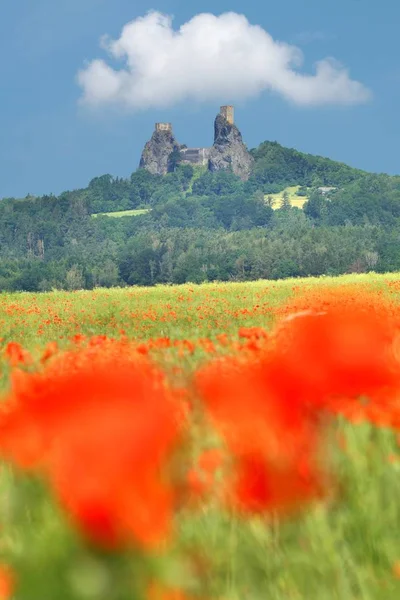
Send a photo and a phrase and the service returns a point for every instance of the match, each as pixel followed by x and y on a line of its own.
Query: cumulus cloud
pixel 209 58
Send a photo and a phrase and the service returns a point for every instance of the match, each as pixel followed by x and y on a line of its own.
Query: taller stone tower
pixel 229 153
pixel 228 112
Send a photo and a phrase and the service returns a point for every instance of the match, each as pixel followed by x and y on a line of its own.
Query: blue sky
pixel 50 141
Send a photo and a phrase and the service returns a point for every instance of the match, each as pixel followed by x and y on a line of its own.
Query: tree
pixel 316 207
pixel 371 260
pixel 285 202
pixel 174 160
pixel 106 275
pixel 74 279
pixel 270 201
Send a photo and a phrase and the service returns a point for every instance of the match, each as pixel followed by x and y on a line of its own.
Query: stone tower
pixel 228 152
pixel 164 127
pixel 228 112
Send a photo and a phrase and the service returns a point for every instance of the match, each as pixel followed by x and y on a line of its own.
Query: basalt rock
pixel 163 153
pixel 158 150
pixel 229 152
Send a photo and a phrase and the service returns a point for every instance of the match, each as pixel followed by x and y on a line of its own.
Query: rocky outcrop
pixel 163 153
pixel 156 154
pixel 229 152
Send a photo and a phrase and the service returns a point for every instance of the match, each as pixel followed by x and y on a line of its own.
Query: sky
pixel 82 82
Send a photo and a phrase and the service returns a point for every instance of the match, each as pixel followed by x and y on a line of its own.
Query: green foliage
pixel 276 164
pixel 285 203
pixel 174 160
pixel 221 183
pixel 302 191
pixel 194 225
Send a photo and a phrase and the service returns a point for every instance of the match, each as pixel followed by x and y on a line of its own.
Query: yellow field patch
pixel 124 213
pixel 295 200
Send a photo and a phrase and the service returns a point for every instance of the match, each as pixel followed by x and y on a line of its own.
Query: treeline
pixel 372 199
pixel 203 226
pixel 124 252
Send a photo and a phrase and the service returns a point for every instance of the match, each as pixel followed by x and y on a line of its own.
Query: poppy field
pixel 235 441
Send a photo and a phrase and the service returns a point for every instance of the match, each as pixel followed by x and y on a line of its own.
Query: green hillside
pixel 275 164
pixel 276 168
pixel 193 225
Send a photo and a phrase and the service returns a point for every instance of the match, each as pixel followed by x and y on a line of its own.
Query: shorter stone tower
pixel 164 127
pixel 228 112
pixel 155 156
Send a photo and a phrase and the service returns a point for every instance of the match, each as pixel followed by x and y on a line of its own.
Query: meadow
pixel 135 212
pixel 294 199
pixel 291 529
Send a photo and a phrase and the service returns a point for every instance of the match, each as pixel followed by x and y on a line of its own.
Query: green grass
pixel 124 213
pixel 198 171
pixel 295 200
pixel 340 550
pixel 187 310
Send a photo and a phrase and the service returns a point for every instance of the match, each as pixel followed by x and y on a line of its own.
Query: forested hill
pixel 277 164
pixel 194 225
pixel 275 168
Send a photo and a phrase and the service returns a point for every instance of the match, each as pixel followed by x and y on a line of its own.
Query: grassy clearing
pixel 123 213
pixel 295 200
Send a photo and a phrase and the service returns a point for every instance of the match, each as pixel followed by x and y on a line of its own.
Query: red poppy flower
pixel 102 431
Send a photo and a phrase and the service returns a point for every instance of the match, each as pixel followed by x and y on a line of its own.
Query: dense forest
pixel 193 226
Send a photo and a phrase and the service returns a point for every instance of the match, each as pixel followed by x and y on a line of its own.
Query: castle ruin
pixel 227 153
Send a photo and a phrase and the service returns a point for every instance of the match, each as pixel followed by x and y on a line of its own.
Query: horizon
pixel 74 107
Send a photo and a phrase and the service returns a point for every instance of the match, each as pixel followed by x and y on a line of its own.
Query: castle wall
pixel 195 156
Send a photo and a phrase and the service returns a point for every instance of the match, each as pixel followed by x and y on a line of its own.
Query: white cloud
pixel 210 58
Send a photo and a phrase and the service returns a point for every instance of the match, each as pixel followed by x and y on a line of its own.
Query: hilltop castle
pixel 227 153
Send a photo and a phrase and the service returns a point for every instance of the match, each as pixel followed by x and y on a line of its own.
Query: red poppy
pixel 102 431
pixel 273 438
pixel 201 478
pixel 17 355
